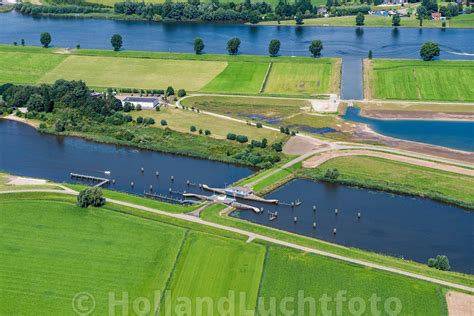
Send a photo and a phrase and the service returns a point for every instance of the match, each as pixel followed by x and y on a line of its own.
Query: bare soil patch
pixel 301 145
pixel 460 304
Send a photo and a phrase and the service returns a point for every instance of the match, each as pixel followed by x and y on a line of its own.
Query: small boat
pixel 107 172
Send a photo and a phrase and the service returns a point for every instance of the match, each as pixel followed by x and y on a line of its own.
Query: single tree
pixel 429 50
pixel 193 128
pixel 421 13
pixel 441 262
pixel 116 42
pixel 396 20
pixel 90 197
pixel 274 47
pixel 299 18
pixel 233 45
pixel 22 42
pixel 370 54
pixel 181 93
pixel 198 45
pixel 163 123
pixel 360 18
pixel 169 91
pixel 316 47
pixel 254 17
pixel 45 39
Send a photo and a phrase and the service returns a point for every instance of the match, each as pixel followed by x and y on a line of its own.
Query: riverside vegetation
pixel 70 108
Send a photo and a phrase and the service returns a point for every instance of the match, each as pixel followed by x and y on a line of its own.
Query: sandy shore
pixel 13 117
pixel 365 133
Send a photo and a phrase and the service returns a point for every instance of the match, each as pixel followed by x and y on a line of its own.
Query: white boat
pixel 107 172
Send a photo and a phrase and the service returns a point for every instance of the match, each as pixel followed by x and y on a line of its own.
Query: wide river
pixel 392 224
pixel 350 43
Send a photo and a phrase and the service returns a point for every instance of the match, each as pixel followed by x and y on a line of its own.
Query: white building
pixel 144 102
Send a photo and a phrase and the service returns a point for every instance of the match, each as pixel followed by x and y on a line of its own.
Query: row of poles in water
pixel 295 219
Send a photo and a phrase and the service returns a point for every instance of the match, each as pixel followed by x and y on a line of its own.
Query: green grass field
pixel 238 78
pixel 20 68
pixel 210 266
pixel 101 69
pixel 315 277
pixel 242 107
pixel 396 176
pixel 182 120
pixel 461 21
pixel 419 80
pixel 136 72
pixel 52 249
pixel 301 79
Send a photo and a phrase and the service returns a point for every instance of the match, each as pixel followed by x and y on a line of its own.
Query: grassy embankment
pixel 414 107
pixel 239 74
pixel 419 80
pixel 155 253
pixel 393 176
pixel 461 21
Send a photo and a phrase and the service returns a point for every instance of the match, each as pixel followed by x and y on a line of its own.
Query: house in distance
pixel 144 102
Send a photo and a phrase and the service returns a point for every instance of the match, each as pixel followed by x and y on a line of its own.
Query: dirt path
pixel 252 236
pixel 322 158
pixel 460 304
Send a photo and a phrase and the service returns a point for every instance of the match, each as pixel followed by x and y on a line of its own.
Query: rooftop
pixel 141 99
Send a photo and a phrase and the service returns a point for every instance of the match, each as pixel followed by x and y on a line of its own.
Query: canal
pixel 401 226
pixel 396 225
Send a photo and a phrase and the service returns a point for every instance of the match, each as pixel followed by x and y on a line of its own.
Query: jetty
pixel 83 177
pixel 168 199
pixel 244 193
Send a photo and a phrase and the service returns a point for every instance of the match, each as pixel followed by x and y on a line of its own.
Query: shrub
pixel 169 91
pixel 207 132
pixel 157 109
pixel 259 125
pixel 43 126
pixel 331 174
pixel 138 107
pixel 441 262
pixel 277 146
pixel 200 131
pixel 90 197
pixel 163 123
pixel 242 138
pixel 193 128
pixel 139 120
pixel 149 121
pixel 181 93
pixel 231 136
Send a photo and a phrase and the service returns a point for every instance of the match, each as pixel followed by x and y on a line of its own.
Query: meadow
pixel 419 80
pixel 22 68
pixel 244 107
pixel 464 21
pixel 53 250
pixel 101 69
pixel 313 277
pixel 182 120
pixel 136 72
pixel 210 266
pixel 239 77
pixel 302 79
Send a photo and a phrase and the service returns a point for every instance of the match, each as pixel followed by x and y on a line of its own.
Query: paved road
pixel 252 236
